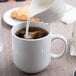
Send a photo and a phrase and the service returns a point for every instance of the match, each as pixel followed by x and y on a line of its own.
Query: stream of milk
pixel 37 6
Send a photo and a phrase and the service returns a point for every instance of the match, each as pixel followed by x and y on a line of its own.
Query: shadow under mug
pixel 34 55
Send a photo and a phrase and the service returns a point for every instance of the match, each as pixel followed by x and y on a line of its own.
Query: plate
pixel 9 20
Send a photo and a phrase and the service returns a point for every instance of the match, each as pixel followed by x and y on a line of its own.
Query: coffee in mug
pixel 34 32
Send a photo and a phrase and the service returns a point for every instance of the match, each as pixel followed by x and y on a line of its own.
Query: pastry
pixel 22 14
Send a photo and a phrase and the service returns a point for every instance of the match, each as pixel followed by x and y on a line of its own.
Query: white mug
pixel 34 55
pixel 53 12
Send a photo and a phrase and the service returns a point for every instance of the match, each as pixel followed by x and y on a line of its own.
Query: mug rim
pixel 13 34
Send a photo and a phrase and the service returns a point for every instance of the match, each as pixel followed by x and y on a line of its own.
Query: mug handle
pixel 58 36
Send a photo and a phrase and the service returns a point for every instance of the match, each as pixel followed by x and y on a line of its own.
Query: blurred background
pixel 12 0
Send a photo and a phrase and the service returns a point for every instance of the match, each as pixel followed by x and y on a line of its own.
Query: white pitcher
pixel 48 10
